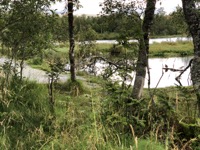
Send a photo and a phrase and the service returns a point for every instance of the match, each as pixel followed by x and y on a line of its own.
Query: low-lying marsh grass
pixel 171 49
pixel 163 49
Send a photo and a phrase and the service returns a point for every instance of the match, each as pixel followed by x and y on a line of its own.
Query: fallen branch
pixel 154 91
pixel 179 76
pixel 172 69
pixel 166 68
pixel 111 67
pixel 116 64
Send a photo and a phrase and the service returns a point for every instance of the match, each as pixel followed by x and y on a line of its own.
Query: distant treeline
pixel 112 26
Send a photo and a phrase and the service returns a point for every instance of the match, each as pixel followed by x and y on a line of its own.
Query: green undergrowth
pixel 73 88
pixel 41 66
pixel 96 114
pixel 24 115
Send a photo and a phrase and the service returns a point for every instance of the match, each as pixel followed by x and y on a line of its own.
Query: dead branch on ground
pixel 166 68
pixel 179 76
pixel 113 66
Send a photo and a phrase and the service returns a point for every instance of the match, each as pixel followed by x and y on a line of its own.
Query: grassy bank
pixel 171 49
pixel 60 53
pixel 163 49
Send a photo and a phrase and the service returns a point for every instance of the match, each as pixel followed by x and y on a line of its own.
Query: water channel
pixel 158 40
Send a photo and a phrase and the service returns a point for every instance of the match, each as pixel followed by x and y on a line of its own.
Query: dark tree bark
pixel 71 40
pixel 192 17
pixel 51 94
pixel 142 62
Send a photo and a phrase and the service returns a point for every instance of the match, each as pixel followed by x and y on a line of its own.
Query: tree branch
pixel 117 64
pixel 179 76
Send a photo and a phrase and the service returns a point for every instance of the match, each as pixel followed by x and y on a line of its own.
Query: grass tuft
pixel 76 88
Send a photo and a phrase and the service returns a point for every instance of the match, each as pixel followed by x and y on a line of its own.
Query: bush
pixel 37 61
pixel 117 50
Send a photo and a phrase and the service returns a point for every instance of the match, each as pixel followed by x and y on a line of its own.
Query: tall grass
pixel 79 125
pixel 24 115
pixel 96 118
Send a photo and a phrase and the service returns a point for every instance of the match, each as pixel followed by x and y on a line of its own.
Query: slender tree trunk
pixel 51 94
pixel 71 40
pixel 140 71
pixel 192 17
pixel 21 69
pixel 22 64
pixel 142 62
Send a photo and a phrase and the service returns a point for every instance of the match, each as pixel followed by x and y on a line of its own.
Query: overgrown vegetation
pixel 93 113
pixel 96 118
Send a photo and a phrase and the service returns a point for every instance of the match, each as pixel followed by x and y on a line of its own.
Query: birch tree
pixel 192 16
pixel 71 40
pixel 141 30
pixel 142 62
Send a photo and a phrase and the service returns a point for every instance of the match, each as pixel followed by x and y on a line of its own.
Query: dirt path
pixel 37 75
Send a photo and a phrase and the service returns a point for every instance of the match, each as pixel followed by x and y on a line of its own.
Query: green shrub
pixel 37 61
pixel 117 50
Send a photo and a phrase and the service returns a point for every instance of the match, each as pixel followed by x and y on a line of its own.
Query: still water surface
pixel 156 65
pixel 168 79
pixel 156 72
pixel 158 40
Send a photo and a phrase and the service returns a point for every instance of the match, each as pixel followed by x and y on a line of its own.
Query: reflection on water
pixel 156 65
pixel 168 79
pixel 156 71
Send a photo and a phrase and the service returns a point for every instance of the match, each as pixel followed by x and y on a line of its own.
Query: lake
pixel 168 79
pixel 156 66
